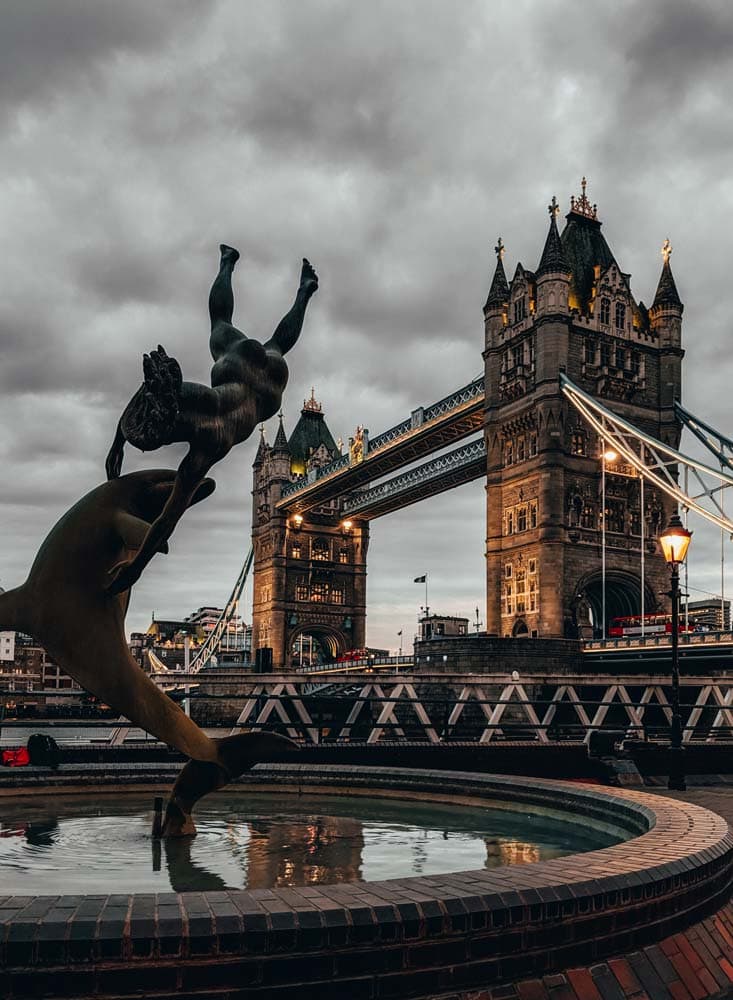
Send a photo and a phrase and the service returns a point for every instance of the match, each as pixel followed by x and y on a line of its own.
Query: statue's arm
pixel 113 464
pixel 191 472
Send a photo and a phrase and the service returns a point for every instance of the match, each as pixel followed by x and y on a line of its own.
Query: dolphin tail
pixel 12 605
pixel 236 754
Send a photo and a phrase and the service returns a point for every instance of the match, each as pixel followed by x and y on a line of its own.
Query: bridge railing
pixel 371 706
pixel 365 663
pixel 637 642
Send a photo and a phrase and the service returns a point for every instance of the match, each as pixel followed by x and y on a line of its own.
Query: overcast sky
pixel 389 142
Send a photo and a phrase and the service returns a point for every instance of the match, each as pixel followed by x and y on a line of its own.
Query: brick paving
pixel 692 965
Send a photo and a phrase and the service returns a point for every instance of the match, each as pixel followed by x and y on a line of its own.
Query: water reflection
pixel 76 845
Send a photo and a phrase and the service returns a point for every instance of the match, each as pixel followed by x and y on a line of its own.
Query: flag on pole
pixel 420 579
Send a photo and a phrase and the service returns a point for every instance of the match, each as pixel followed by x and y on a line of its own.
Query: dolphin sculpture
pixel 65 605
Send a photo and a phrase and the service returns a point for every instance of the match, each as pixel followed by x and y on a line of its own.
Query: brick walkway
pixel 695 965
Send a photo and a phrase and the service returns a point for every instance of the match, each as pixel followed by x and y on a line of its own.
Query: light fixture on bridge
pixel 609 455
pixel 675 540
pixel 346 526
pixel 297 520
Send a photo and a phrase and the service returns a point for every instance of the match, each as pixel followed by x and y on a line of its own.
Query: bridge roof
pixel 584 246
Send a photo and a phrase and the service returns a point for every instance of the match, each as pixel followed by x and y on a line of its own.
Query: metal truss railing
pixel 724 639
pixel 719 444
pixel 658 463
pixel 388 436
pixel 484 708
pixel 422 475
pixel 204 653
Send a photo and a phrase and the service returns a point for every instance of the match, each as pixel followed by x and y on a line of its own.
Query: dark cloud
pixel 391 143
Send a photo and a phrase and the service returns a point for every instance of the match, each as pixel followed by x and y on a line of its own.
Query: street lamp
pixel 675 541
pixel 607 455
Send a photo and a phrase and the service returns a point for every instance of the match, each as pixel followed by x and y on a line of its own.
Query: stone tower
pixel 574 313
pixel 309 580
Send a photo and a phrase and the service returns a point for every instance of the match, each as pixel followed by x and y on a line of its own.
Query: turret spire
pixel 667 294
pixel 262 448
pixel 553 257
pixel 281 441
pixel 499 291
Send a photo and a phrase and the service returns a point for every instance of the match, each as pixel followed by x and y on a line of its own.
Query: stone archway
pixel 311 645
pixel 520 630
pixel 623 597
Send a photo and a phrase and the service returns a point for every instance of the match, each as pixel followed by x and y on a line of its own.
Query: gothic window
pixel 521 447
pixel 520 309
pixel 605 312
pixel 508 570
pixel 319 592
pixel 635 521
pixel 588 516
pixel 319 549
pixel 522 518
pixel 620 316
pixel 532 603
pixel 577 443
pixel 301 591
pixel 615 516
pixel 635 362
pixel 509 452
pixel 344 556
pixel 620 358
pixel 532 445
pixel 533 513
pixel 296 551
pixel 517 355
pixel 510 522
pixel 531 354
pixel 508 599
pixel 589 353
pixel 521 585
pixel 605 355
pixel 337 595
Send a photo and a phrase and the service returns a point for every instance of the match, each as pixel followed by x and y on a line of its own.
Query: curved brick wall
pixel 413 937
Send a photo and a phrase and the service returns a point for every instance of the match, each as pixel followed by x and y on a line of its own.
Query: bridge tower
pixel 574 313
pixel 309 578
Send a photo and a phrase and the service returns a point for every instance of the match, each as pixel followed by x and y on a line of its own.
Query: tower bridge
pixel 572 362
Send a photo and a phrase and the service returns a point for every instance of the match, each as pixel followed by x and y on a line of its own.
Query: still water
pixel 76 844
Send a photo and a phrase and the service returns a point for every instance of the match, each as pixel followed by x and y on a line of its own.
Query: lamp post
pixel 607 455
pixel 675 540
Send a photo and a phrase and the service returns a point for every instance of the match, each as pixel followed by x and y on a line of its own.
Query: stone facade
pixel 575 314
pixel 309 572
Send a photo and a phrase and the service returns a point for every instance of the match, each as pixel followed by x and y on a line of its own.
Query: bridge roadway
pixel 427 430
pixel 700 653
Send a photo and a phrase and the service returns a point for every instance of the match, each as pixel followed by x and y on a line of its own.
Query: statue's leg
pixel 221 303
pixel 289 327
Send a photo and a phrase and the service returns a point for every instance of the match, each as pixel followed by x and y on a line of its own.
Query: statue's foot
pixel 228 254
pixel 308 278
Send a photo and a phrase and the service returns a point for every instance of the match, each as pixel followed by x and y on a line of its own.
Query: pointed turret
pixel 281 442
pixel 262 449
pixel 667 295
pixel 553 259
pixel 499 291
pixel 553 274
pixel 310 436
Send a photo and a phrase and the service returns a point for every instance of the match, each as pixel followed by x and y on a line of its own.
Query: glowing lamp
pixel 675 540
pixel 297 520
pixel 610 455
pixel 347 525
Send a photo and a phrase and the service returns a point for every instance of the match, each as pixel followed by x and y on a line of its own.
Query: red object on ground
pixel 15 758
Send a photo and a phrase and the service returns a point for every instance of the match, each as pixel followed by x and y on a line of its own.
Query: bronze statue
pixel 66 605
pixel 247 383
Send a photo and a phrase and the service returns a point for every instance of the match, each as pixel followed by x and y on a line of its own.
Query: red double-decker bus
pixel 653 625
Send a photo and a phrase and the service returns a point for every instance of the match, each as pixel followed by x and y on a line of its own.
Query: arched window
pixel 605 312
pixel 620 316
pixel 319 549
pixel 520 309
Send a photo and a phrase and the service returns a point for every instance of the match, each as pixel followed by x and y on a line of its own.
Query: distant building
pixel 7 647
pixel 441 626
pixel 709 615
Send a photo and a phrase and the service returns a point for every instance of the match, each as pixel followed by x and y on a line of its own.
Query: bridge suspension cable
pixel 719 444
pixel 204 653
pixel 658 463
